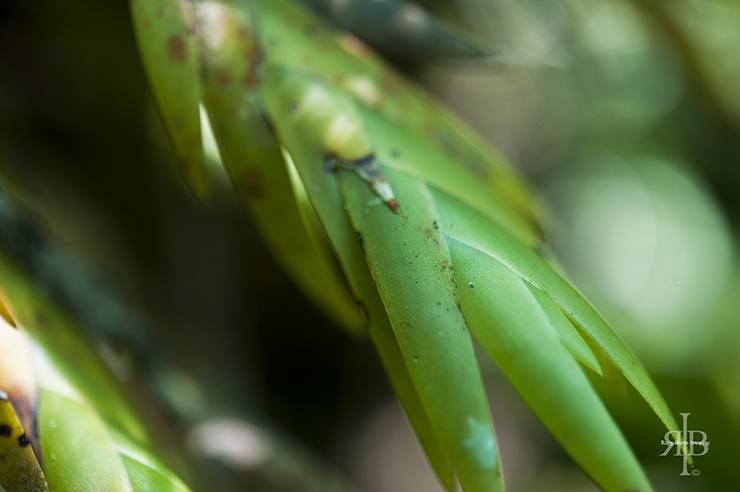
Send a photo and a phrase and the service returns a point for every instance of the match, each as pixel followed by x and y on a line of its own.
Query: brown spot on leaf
pixel 5 430
pixel 26 411
pixel 23 440
pixel 176 48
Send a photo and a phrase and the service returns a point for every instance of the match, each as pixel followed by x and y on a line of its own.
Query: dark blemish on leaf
pixel 176 48
pixel 330 163
pixel 395 154
pixel 361 241
pixel 293 107
pixel 415 358
pixel 365 160
pixel 435 224
pixel 23 440
pixel 394 205
pixel 5 430
pixel 471 285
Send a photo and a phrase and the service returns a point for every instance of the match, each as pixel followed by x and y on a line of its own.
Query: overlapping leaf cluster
pixel 455 259
pixel 65 424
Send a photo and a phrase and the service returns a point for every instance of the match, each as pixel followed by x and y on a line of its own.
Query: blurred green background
pixel 624 114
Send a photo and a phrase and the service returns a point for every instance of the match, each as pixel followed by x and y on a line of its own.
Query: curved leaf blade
pixel 255 162
pixel 431 333
pixel 320 186
pixel 467 226
pixel 509 320
pixel 165 38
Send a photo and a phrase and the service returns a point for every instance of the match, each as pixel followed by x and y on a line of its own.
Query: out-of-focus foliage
pixel 70 421
pixel 660 255
pixel 401 30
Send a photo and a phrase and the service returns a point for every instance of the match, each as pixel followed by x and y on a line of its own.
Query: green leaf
pixel 344 63
pixel 81 411
pixel 514 323
pixel 19 466
pixel 255 162
pixel 407 256
pixel 469 227
pixel 410 263
pixel 145 471
pixel 69 350
pixel 164 33
pixel 19 463
pixel 77 447
pixel 327 204
pixel 442 366
pixel 401 30
pixel 429 226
